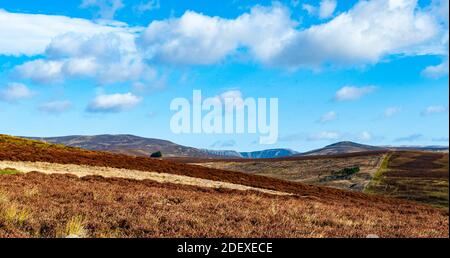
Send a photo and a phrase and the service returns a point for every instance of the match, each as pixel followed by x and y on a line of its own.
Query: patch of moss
pixel 9 171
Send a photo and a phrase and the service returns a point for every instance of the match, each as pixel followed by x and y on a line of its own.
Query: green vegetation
pixel 9 171
pixel 156 154
pixel 416 176
pixel 342 174
pixel 346 172
pixel 376 179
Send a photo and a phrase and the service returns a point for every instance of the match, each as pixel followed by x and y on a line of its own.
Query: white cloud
pixel 352 93
pixel 108 58
pixel 30 34
pixel 365 136
pixel 200 40
pixel 326 8
pixel 328 117
pixel 436 71
pixel 434 110
pixel 54 107
pixel 391 111
pixel 113 103
pixel 106 8
pixel 147 6
pixel 326 135
pixel 365 34
pixel 310 9
pixel 14 92
pixel 41 71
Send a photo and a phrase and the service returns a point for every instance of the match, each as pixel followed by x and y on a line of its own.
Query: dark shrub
pixel 156 154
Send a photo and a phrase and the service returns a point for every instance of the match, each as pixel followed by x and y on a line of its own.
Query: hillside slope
pixel 126 144
pixel 57 205
pixel 341 148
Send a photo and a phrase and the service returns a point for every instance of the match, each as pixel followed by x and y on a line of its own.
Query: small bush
pixel 342 174
pixel 346 172
pixel 13 216
pixel 156 154
pixel 10 214
pixel 75 227
pixel 21 217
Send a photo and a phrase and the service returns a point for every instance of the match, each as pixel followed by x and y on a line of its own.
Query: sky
pixel 373 72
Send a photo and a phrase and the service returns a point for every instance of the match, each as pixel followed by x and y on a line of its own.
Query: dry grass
pixel 418 176
pixel 311 171
pixel 112 207
pixel 75 227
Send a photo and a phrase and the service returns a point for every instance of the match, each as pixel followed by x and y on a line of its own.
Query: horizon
pixel 345 71
pixel 253 150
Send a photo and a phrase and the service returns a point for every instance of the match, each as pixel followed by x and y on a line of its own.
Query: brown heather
pixel 109 207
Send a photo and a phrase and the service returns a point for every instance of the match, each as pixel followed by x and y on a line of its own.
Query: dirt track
pixel 82 171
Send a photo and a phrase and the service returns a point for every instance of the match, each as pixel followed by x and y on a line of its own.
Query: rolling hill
pixel 55 198
pixel 140 146
pixel 342 148
pixel 127 144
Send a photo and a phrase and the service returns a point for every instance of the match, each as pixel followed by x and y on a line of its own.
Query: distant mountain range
pixel 272 153
pixel 263 154
pixel 140 146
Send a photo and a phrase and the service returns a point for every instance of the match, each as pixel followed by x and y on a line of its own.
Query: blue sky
pixel 374 72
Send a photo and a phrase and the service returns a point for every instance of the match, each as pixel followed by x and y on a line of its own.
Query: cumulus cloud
pixel 106 8
pixel 391 111
pixel 365 34
pixel 55 107
pixel 30 34
pixel 434 110
pixel 113 103
pixel 14 92
pixel 436 71
pixel 328 117
pixel 352 93
pixel 108 58
pixel 368 32
pixel 326 8
pixel 199 39
pixel 326 135
pixel 440 10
